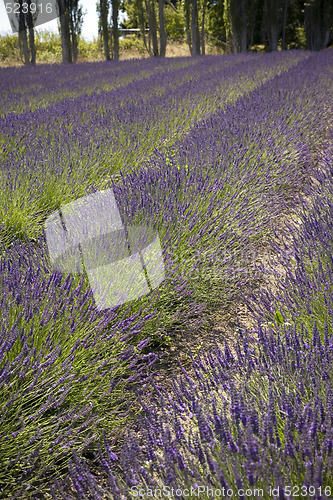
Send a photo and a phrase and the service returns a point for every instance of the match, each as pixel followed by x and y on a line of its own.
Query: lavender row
pixel 305 294
pixel 24 89
pixel 62 366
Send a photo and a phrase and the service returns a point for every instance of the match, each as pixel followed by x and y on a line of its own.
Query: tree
pixel 104 26
pixel 253 16
pixel 187 12
pixel 26 24
pixel 115 29
pixel 216 26
pixel 318 23
pixel 152 23
pixel 195 29
pixel 192 26
pixel 203 28
pixel 272 23
pixel 294 31
pixel 235 17
pixel 75 25
pixel 30 25
pixel 284 23
pixel 71 19
pixel 66 46
pixel 163 40
pixel 174 22
pixel 143 14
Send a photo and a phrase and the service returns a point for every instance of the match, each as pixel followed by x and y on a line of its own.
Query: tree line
pixel 235 26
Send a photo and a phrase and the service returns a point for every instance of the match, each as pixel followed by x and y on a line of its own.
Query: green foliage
pixel 174 23
pixel 89 50
pixel 300 39
pixel 9 48
pixel 279 318
pixel 216 31
pixel 46 40
pixel 48 46
pixel 132 43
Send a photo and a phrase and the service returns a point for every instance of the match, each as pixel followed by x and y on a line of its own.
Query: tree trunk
pixel 161 19
pixel 31 34
pixel 150 5
pixel 274 38
pixel 285 11
pixel 203 33
pixel 195 29
pixel 24 42
pixel 252 14
pixel 318 21
pixel 235 16
pixel 243 34
pixel 23 35
pixel 65 33
pixel 141 17
pixel 272 23
pixel 74 45
pixel 115 30
pixel 103 6
pixel 188 25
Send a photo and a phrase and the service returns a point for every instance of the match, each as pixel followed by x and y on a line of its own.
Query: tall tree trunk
pixel 65 33
pixel 227 18
pixel 115 30
pixel 187 5
pixel 318 21
pixel 243 34
pixel 23 35
pixel 141 17
pixel 195 29
pixel 203 33
pixel 30 25
pixel 103 6
pixel 150 5
pixel 32 45
pixel 272 23
pixel 284 24
pixel 235 18
pixel 252 14
pixel 161 19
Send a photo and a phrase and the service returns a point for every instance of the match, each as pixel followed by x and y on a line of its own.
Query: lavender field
pixel 213 152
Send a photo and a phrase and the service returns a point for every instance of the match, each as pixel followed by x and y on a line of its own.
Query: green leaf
pixel 279 318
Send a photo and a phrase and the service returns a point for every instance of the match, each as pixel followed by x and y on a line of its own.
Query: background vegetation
pixel 174 27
